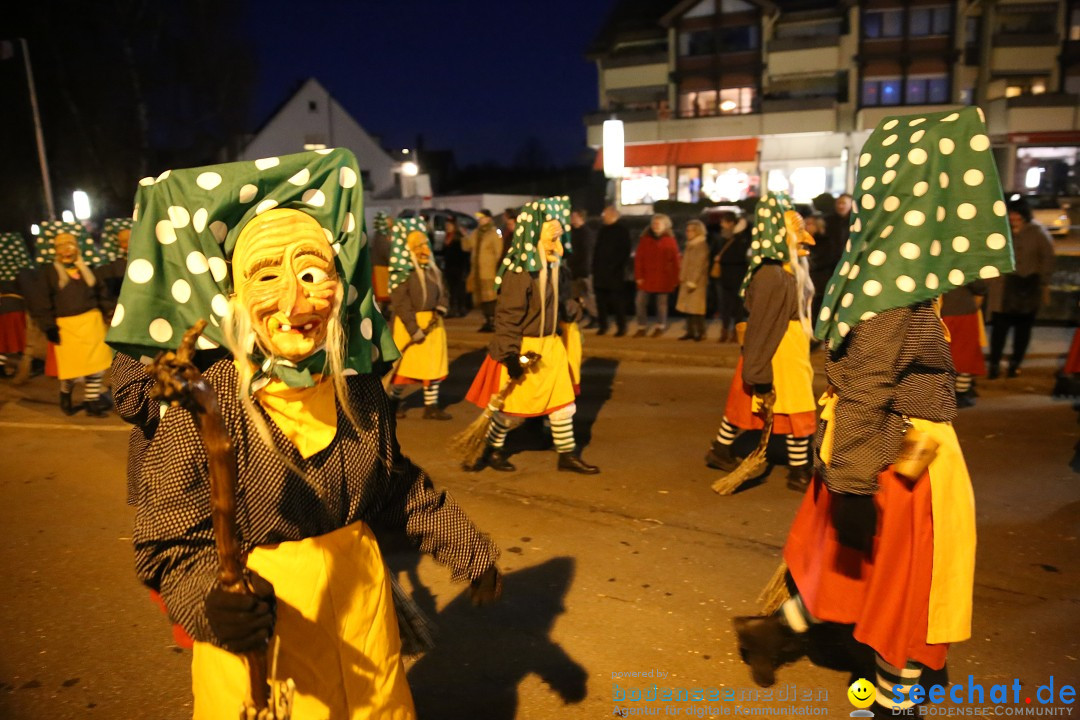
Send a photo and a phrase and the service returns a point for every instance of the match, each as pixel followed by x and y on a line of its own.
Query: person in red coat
pixel 656 270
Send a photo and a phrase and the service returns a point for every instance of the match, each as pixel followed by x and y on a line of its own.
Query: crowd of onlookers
pixel 697 270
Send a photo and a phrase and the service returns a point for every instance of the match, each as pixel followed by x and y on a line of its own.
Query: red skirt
pixel 12 332
pixel 180 635
pixel 967 353
pixel 52 369
pixel 739 411
pixel 1072 365
pixel 886 595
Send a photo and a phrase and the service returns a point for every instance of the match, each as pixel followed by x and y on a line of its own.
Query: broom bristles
pixel 415 627
pixel 468 445
pixel 748 469
pixel 775 592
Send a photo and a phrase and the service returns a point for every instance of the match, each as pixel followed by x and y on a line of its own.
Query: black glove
pixel 855 520
pixel 513 367
pixel 487 588
pixel 242 622
pixel 53 334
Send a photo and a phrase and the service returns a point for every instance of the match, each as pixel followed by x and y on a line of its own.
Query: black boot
pixel 965 400
pixel 97 408
pixel 765 644
pixel 434 412
pixel 569 462
pixel 65 403
pixel 492 458
pixel 799 477
pixel 720 457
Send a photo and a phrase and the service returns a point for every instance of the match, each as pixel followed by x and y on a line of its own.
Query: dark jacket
pixel 581 255
pixel 517 312
pixel 408 298
pixel 75 298
pixel 11 299
pixel 827 253
pixel 611 253
pixel 961 300
pixel 772 300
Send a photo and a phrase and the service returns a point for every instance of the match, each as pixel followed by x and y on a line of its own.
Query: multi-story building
pixel 723 98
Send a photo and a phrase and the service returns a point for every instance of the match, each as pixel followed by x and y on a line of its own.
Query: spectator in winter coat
pixel 610 256
pixel 656 271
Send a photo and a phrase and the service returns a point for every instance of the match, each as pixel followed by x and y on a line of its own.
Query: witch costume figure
pixel 885 537
pixel 13 260
pixel 272 254
pixel 526 321
pixel 961 312
pixel 420 301
pixel 72 307
pixel 775 358
pixel 115 235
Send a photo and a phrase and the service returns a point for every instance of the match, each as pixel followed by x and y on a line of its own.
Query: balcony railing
pixel 777 105
pixel 1001 40
pixel 631 60
pixel 627 116
pixel 803 43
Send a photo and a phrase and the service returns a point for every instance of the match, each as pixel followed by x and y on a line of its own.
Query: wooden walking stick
pixel 468 445
pixel 181 384
pixel 389 377
pixel 755 463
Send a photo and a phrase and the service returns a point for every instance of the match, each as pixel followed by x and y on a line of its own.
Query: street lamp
pixel 82 204
pixel 410 169
pixel 614 148
pixel 67 216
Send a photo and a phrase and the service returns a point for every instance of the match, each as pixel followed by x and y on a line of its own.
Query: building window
pixel 881 91
pixel 1074 24
pixel 925 21
pixel 1016 86
pixel 697 42
pixel 737 101
pixel 740 38
pixel 727 181
pixel 883 23
pixel 689 185
pixel 312 106
pixel 927 89
pixel 644 185
pixel 697 104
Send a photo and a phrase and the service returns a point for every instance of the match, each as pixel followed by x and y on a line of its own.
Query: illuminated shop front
pixel 1047 169
pixel 805 165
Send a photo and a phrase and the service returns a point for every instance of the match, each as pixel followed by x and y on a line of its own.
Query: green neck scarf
pixel 401 261
pixel 929 216
pixel 186 229
pixel 524 255
pixel 13 255
pixel 769 235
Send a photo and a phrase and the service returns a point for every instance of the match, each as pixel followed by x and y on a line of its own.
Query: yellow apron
pixel 545 387
pixel 338 634
pixel 427 360
pixel 793 375
pixel 82 349
pixel 953 506
pixel 571 337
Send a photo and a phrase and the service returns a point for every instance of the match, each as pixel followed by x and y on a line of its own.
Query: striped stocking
pixel 727 432
pixel 889 676
pixel 798 450
pixel 431 393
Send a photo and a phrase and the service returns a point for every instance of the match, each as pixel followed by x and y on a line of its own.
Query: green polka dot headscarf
pixel 769 235
pixel 523 255
pixel 13 255
pixel 382 223
pixel 45 253
pixel 110 246
pixel 401 262
pixel 929 216
pixel 187 225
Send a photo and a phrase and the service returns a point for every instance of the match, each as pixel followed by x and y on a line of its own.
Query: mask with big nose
pixel 798 239
pixel 67 249
pixel 417 244
pixel 286 281
pixel 550 240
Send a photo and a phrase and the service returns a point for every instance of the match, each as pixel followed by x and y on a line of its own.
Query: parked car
pixel 1050 212
pixel 436 223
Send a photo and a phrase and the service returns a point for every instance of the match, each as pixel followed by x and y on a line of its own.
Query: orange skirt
pixel 1072 365
pixel 964 344
pixel 739 411
pixel 890 607
pixel 12 332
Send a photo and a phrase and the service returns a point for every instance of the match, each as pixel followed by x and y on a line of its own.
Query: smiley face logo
pixel 862 693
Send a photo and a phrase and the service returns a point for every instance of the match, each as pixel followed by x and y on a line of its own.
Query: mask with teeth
pixel 286 281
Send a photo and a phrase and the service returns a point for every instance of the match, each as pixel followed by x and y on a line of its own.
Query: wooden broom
pixel 468 445
pixel 755 463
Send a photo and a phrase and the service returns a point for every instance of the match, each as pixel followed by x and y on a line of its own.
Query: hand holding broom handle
pixel 181 384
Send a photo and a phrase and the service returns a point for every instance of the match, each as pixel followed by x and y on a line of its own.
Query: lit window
pixel 1038 87
pixel 1013 91
pixel 737 101
pixel 916 91
pixel 644 185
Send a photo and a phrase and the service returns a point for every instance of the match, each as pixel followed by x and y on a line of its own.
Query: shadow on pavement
pixel 482 654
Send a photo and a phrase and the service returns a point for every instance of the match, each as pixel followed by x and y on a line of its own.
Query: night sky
pixel 478 77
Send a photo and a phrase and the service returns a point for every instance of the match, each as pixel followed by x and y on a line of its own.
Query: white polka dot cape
pixel 110 245
pixel 768 238
pixel 523 255
pixel 184 235
pixel 13 255
pixel 401 263
pixel 45 253
pixel 929 216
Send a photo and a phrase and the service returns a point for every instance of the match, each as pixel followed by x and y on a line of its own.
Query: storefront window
pixel 1053 170
pixel 728 181
pixel 644 185
pixel 689 185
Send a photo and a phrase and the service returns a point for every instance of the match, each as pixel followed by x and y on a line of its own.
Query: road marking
pixel 62 426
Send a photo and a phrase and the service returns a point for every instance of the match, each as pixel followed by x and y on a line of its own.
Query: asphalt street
pixel 636 570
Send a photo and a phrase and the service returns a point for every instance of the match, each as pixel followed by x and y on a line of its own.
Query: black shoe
pixel 97 408
pixel 994 373
pixel 620 332
pixel 687 336
pixel 492 458
pixel 601 331
pixel 486 328
pixel 434 412
pixel 569 462
pixel 397 406
pixel 65 404
pixel 964 400
pixel 720 457
pixel 1013 372
pixel 765 644
pixel 799 477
